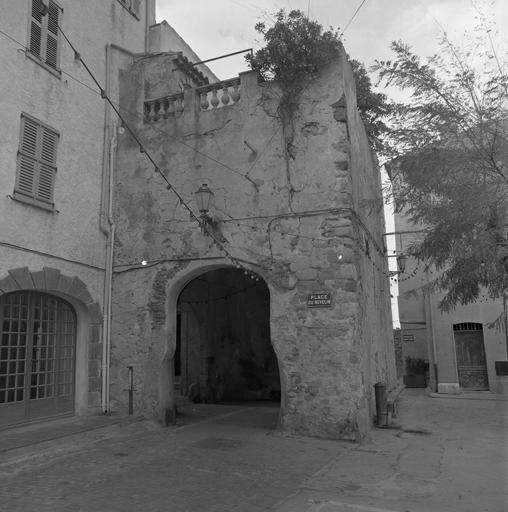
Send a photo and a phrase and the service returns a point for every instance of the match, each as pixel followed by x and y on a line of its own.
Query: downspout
pixel 109 255
pixel 106 229
pixel 107 226
pixel 147 29
pixel 432 352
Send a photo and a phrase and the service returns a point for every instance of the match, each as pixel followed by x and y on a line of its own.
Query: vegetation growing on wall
pixel 296 48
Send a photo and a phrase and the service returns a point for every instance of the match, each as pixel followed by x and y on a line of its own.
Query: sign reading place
pixel 319 300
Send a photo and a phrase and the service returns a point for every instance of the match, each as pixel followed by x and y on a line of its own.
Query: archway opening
pixel 223 347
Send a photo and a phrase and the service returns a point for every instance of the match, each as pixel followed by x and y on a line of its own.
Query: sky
pixel 213 28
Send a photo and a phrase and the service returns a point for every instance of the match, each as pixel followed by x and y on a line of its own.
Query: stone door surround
pixel 51 280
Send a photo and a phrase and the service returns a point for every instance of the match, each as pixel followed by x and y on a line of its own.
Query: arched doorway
pixel 37 356
pixel 223 347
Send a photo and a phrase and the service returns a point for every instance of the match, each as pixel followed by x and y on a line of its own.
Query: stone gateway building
pixel 280 290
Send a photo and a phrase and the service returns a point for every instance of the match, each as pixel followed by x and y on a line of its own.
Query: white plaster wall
pixel 72 109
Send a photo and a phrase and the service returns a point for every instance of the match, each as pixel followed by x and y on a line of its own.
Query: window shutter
pixel 52 36
pixel 47 167
pixel 27 157
pixel 35 178
pixel 135 6
pixel 36 28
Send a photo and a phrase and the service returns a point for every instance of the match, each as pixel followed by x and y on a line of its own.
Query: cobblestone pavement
pixel 450 456
pixel 232 461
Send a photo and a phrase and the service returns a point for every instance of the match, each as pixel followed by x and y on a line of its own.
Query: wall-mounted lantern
pixel 203 198
pixel 401 263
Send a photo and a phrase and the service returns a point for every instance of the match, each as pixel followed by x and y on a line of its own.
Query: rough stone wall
pixel 295 218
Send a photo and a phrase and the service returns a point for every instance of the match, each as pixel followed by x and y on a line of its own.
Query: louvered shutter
pixel 47 169
pixel 27 157
pixel 52 36
pixel 135 6
pixel 36 171
pixel 36 28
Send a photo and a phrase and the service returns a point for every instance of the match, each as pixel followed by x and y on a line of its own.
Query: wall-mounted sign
pixel 319 300
pixel 408 337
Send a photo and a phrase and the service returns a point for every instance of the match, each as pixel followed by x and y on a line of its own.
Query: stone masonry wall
pixel 294 218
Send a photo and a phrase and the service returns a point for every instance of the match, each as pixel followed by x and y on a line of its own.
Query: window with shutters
pixel 44 36
pixel 36 171
pixel 132 6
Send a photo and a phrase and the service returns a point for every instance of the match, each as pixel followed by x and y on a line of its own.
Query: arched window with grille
pixel 37 357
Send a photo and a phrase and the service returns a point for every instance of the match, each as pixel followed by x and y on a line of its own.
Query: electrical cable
pixel 133 114
pixel 202 224
pixel 40 253
pixel 352 18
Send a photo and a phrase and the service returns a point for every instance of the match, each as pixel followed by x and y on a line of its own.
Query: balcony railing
pixel 211 96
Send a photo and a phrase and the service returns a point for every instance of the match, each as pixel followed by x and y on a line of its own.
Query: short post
pixel 381 408
pixel 131 388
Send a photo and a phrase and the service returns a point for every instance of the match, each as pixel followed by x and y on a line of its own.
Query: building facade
pixel 282 294
pixel 280 291
pixel 55 141
pixel 463 353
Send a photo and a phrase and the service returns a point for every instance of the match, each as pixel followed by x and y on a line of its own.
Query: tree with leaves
pixel 450 163
pixel 296 48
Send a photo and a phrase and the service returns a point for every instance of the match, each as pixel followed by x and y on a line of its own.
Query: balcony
pixel 206 97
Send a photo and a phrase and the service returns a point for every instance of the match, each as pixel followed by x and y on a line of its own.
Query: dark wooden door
pixel 471 360
pixel 37 357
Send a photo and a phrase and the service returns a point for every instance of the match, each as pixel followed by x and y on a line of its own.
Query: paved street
pixel 230 458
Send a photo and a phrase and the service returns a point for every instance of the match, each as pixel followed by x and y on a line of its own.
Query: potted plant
pixel 415 372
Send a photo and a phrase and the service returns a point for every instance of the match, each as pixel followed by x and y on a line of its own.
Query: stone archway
pixel 89 319
pixel 224 349
pixel 174 286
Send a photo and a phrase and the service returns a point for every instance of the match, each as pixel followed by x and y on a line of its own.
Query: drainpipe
pixel 147 29
pixel 432 352
pixel 107 227
pixel 109 256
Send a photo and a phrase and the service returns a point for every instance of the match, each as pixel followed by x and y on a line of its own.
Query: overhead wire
pixel 133 114
pixel 142 149
pixel 169 186
pixel 352 18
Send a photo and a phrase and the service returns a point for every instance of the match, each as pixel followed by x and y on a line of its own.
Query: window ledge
pixel 34 202
pixel 127 8
pixel 41 63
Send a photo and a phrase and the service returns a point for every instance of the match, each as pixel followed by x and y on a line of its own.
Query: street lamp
pixel 401 263
pixel 203 198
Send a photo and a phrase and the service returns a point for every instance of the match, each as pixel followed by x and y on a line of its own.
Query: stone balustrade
pixel 209 97
pixel 219 94
pixel 162 108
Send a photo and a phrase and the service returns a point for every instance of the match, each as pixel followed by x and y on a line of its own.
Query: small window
pixel 468 326
pixel 36 171
pixel 44 36
pixel 132 6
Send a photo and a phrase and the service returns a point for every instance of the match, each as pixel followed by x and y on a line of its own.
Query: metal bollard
pixel 381 408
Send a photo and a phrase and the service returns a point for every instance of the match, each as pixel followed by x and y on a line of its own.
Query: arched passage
pixel 230 356
pixel 223 346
